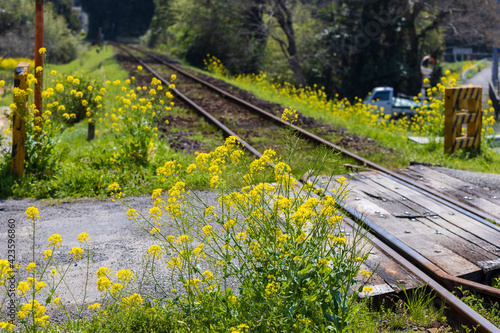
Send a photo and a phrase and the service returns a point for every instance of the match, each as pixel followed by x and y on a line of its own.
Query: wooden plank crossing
pixel 389 276
pixel 465 192
pixel 453 241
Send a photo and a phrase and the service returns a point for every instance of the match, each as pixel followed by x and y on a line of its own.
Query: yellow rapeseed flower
pixel 155 251
pixel 32 213
pixel 125 275
pixel 132 301
pixel 31 266
pixel 83 237
pixel 207 230
pixel 131 213
pixel 208 275
pixel 7 326
pixel 94 306
pixel 76 252
pixel 47 254
pixel 365 273
pixel 55 240
pixel 156 193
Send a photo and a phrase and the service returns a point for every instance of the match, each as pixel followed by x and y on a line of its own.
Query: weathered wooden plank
pixel 482 250
pixel 446 213
pixel 462 191
pixel 461 246
pixel 389 276
pixel 447 260
pixel 482 254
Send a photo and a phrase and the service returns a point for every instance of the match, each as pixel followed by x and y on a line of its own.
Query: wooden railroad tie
pixel 462 106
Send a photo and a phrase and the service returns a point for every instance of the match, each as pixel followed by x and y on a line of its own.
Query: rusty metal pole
pixel 19 118
pixel 38 62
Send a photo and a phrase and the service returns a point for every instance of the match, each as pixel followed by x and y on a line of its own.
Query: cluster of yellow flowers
pixel 33 308
pixel 32 313
pixel 289 115
pixel 11 63
pixel 214 65
pixel 427 121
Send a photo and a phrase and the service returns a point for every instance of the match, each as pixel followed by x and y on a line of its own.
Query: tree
pixel 125 18
pixel 163 18
pixel 281 11
pixel 231 30
pixel 381 42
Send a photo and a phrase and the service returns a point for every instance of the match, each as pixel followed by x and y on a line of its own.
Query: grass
pixel 398 315
pixel 456 68
pixel 395 138
pixel 98 62
pixel 486 308
pixel 393 150
pixel 83 168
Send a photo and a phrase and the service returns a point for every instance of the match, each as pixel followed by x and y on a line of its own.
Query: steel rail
pixel 204 113
pixel 470 211
pixel 396 249
pixel 458 305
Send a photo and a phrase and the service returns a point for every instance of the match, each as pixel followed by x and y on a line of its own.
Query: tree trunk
pixel 284 17
pixel 413 56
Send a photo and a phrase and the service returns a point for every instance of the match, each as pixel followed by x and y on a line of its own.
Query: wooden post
pixel 19 118
pixel 38 63
pixel 91 131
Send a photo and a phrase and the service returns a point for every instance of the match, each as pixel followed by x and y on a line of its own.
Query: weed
pixel 486 308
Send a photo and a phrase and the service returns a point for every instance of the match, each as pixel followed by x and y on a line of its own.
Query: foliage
pixel 283 247
pixel 121 152
pixel 271 256
pixel 17 31
pixel 40 138
pixel 124 19
pixel 457 68
pixel 72 98
pixel 65 9
pixel 348 47
pixel 227 29
pixel 413 308
pixel 489 310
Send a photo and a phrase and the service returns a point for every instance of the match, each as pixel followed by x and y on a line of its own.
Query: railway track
pixel 427 271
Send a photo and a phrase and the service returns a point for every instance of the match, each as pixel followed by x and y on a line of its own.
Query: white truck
pixel 383 97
